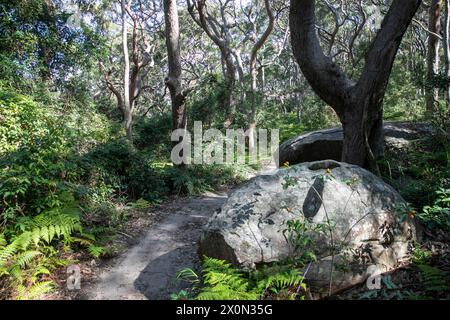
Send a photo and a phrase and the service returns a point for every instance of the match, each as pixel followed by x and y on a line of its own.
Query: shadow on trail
pixel 159 278
pixel 148 270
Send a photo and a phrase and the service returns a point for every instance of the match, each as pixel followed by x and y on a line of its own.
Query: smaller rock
pixel 327 144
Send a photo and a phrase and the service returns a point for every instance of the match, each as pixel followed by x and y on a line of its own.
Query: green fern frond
pixel 82 241
pixel 18 258
pixel 189 275
pixel 96 251
pixel 36 291
pixel 435 279
pixel 16 274
pixel 6 253
pixel 3 242
pixel 22 241
pixel 45 235
pixel 223 292
pixel 222 281
pixel 39 271
pixel 36 236
pixel 23 259
pixel 283 280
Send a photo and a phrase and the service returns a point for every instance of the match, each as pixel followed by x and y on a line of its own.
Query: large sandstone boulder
pixel 358 208
pixel 327 144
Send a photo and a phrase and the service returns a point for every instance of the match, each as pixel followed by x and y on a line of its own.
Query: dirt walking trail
pixel 148 270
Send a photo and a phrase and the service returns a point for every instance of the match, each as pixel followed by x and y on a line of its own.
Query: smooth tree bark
pixel 446 46
pixel 173 80
pixel 254 72
pixel 134 70
pixel 127 112
pixel 434 26
pixel 358 103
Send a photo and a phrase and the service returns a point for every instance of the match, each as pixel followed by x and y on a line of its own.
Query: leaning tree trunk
pixel 173 80
pixel 434 26
pixel 359 104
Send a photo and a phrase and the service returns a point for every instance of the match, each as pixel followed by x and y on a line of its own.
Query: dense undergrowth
pixel 67 175
pixel 421 174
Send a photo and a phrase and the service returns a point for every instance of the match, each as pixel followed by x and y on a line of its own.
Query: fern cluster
pixel 277 281
pixel 28 256
pixel 221 281
pixel 435 280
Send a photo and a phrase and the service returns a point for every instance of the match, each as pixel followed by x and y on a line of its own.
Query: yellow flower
pixel 286 164
pixel 328 171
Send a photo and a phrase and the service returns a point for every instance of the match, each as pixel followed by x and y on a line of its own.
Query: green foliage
pixel 308 115
pixel 140 204
pixel 119 165
pixel 420 171
pixel 152 135
pixel 221 281
pixel 39 44
pixel 402 100
pixel 196 179
pixel 303 237
pixel 434 216
pixel 280 282
pixel 96 251
pixel 419 255
pixel 205 103
pixel 38 156
pixel 435 280
pixel 35 291
pixel 438 214
pixel 28 255
pixel 182 295
pixel 42 171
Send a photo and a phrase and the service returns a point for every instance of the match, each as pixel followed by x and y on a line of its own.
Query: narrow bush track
pixel 148 270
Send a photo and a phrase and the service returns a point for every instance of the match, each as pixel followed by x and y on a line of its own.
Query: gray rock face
pixel 356 210
pixel 327 144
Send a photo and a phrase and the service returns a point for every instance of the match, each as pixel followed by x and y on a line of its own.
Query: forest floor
pixel 148 269
pixel 160 241
pixel 163 241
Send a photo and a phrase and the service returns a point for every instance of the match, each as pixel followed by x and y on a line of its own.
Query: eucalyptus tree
pixel 433 55
pixel 136 57
pixel 358 103
pixel 218 30
pixel 446 46
pixel 258 44
pixel 174 80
